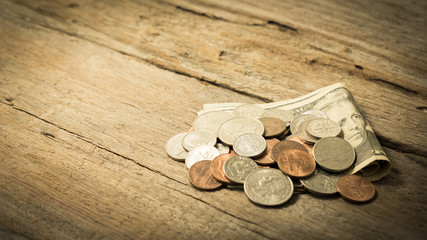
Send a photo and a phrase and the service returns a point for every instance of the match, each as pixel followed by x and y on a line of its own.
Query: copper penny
pixel 217 167
pixel 201 177
pixel 273 127
pixel 355 188
pixel 296 163
pixel 285 145
pixel 309 147
pixel 267 159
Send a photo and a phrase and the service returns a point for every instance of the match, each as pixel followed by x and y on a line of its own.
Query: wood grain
pixel 90 91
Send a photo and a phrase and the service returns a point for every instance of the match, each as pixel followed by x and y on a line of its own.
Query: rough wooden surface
pixel 90 91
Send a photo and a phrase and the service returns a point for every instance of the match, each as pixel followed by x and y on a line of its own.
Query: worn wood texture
pixel 90 91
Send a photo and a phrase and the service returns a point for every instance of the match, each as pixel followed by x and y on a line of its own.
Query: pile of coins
pixel 270 154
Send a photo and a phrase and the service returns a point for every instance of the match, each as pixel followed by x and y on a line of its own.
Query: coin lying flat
pixel 201 177
pixel 200 153
pixel 282 114
pixel 304 134
pixel 231 129
pixel 333 154
pixel 296 138
pixel 296 163
pixel 355 188
pixel 266 158
pixel 284 145
pixel 273 126
pixel 198 138
pixel 249 145
pixel 237 168
pixel 321 182
pixel 268 187
pixel 212 120
pixel 248 110
pixel 217 167
pixel 174 147
pixel 322 128
pixel 298 120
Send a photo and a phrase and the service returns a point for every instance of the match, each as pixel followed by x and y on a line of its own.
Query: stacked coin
pixel 265 161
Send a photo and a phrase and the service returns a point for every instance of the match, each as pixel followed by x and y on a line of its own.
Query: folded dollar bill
pixel 338 104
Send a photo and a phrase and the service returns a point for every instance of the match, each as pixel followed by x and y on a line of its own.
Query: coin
pixel 211 121
pixel 333 154
pixel 296 138
pixel 174 147
pixel 249 145
pixel 285 145
pixel 321 182
pixel 268 187
pixel 355 188
pixel 198 138
pixel 200 153
pixel 296 163
pixel 231 129
pixel 266 158
pixel 273 127
pixel 322 128
pixel 237 168
pixel 248 110
pixel 217 167
pixel 282 114
pixel 200 176
pixel 300 119
pixel 304 135
pixel 316 113
pixel 222 148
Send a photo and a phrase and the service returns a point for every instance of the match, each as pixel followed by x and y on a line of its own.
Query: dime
pixel 300 119
pixel 333 154
pixel 201 177
pixel 248 110
pixel 285 145
pixel 285 115
pixel 249 145
pixel 217 167
pixel 273 126
pixel 237 168
pixel 268 187
pixel 322 128
pixel 355 188
pixel 198 138
pixel 200 153
pixel 212 120
pixel 267 158
pixel 316 113
pixel 321 182
pixel 296 163
pixel 231 129
pixel 174 147
pixel 304 135
pixel 222 148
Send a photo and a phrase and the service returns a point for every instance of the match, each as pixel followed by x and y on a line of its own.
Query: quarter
pixel 333 154
pixel 237 168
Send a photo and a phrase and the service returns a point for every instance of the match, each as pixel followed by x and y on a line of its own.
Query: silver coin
pixel 231 129
pixel 249 110
pixel 298 120
pixel 211 121
pixel 316 113
pixel 322 128
pixel 237 168
pixel 174 147
pixel 321 182
pixel 200 153
pixel 249 145
pixel 198 138
pixel 222 148
pixel 304 134
pixel 282 114
pixel 269 187
pixel 333 154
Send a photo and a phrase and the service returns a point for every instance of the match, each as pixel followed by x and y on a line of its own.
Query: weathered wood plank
pixel 83 124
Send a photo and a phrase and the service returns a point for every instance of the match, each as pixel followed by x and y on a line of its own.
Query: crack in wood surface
pixel 401 147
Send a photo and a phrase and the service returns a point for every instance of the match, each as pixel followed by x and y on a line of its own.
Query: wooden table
pixel 90 92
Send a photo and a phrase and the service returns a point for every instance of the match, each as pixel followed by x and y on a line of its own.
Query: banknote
pixel 338 104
